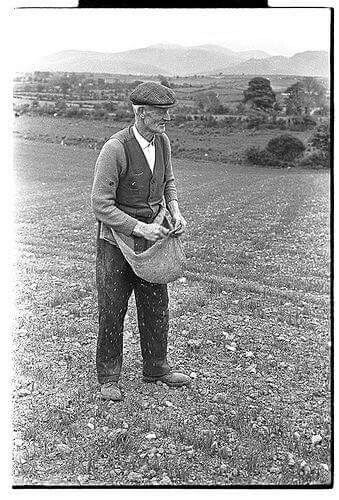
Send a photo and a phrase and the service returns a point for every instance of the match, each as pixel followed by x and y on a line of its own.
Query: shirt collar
pixel 141 140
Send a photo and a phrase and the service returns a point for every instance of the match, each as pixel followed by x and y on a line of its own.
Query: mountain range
pixel 170 60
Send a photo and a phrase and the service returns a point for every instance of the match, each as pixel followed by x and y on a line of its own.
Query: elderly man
pixel 133 184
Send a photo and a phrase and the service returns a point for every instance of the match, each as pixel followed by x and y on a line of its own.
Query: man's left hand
pixel 179 223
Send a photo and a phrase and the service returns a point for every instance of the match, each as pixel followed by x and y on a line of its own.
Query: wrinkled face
pixel 155 119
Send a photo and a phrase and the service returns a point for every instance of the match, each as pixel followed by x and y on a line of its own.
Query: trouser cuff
pixel 155 367
pixel 109 372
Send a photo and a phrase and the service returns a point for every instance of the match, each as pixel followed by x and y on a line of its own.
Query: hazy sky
pixel 40 32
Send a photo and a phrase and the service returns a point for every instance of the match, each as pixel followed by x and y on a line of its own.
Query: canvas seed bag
pixel 163 262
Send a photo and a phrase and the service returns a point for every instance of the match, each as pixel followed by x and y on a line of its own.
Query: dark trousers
pixel 115 282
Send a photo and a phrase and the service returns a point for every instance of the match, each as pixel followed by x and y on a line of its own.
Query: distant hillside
pixel 170 60
pixel 94 62
pixel 311 63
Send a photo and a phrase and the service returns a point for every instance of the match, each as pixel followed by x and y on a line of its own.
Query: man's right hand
pixel 151 232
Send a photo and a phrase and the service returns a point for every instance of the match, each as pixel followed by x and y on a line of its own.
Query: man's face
pixel 155 119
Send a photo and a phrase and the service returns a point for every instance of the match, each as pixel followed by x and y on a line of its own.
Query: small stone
pixel 223 468
pixel 24 392
pixel 274 469
pixel 83 479
pixel 231 348
pixel 18 442
pixel 151 435
pixel 187 447
pixel 220 397
pixel 296 436
pixel 165 480
pixel 316 439
pixel 194 343
pixel 228 335
pixel 134 476
pixel 324 466
pixel 212 418
pixel 125 425
pixel 307 470
pixel 152 473
pixel 303 464
pixel 91 426
pixel 190 453
pixel 63 448
pixel 169 404
pixel 105 429
pixel 193 375
pixel 291 460
pixel 249 354
pixel 182 280
pixel 226 451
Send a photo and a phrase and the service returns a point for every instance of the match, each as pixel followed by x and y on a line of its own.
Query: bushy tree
pixel 304 96
pixel 321 138
pixel 321 141
pixel 260 94
pixel 163 81
pixel 208 102
pixel 285 147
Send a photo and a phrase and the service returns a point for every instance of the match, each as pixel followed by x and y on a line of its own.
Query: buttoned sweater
pixel 125 189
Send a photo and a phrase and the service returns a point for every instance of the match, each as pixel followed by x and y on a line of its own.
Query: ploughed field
pixel 249 322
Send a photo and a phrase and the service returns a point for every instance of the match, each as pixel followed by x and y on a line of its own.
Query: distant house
pixel 73 105
pixel 218 118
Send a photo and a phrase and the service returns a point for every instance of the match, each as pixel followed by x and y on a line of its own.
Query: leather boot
pixel 110 390
pixel 172 379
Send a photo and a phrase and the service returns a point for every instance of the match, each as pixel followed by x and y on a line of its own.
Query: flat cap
pixel 153 94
